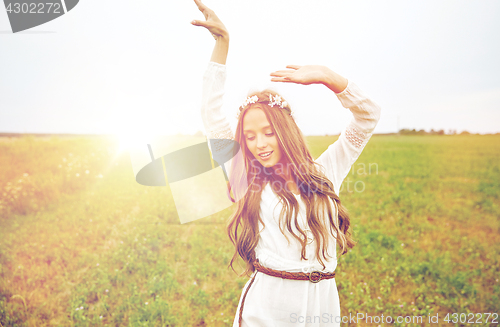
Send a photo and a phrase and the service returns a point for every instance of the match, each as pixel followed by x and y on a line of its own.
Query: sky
pixel 122 67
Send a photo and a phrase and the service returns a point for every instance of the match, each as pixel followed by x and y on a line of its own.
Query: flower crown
pixel 274 100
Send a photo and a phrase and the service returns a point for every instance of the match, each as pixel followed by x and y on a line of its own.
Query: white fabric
pixel 273 301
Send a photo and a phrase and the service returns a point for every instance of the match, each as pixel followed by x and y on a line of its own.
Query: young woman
pixel 288 222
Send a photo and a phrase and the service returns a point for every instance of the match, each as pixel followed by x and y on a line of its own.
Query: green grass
pixel 92 251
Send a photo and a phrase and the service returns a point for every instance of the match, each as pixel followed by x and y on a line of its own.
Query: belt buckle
pixel 316 273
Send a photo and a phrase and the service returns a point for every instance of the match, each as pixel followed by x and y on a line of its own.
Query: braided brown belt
pixel 313 277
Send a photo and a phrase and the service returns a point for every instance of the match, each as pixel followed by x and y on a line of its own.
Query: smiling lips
pixel 265 155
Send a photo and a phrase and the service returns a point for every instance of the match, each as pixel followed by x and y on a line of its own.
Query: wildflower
pixel 97 265
pixel 146 303
pixel 401 305
pixel 249 100
pixel 87 172
pixel 77 174
pixel 100 317
pixel 194 283
pixel 351 293
pixel 275 100
pixel 107 291
pixel 81 308
pixel 402 244
pixel 77 309
pixel 379 298
pixel 222 313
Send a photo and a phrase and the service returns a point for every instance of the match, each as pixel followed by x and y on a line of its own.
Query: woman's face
pixel 260 138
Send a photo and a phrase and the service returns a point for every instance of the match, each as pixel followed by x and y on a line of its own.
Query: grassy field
pixel 83 244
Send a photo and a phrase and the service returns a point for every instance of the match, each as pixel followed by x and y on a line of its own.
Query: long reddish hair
pixel 315 188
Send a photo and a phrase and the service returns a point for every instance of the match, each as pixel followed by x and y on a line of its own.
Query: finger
pixel 200 5
pixel 281 74
pixel 207 12
pixel 200 23
pixel 287 72
pixel 293 66
pixel 281 79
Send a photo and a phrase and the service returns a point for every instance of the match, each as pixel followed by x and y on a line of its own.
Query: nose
pixel 261 142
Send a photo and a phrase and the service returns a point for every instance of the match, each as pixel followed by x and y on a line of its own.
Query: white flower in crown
pixel 275 100
pixel 249 100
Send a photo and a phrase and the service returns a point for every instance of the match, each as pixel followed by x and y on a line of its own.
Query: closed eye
pixel 252 138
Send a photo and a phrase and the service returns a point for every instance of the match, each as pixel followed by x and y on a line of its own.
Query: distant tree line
pixel 407 131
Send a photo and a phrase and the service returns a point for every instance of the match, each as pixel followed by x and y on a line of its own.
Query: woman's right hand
pixel 212 23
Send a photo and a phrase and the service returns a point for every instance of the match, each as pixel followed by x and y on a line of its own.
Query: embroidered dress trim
pixel 355 136
pixel 221 139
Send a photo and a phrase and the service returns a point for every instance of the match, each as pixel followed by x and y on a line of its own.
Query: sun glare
pixel 133 139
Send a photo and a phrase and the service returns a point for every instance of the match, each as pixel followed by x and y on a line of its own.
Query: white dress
pixel 273 301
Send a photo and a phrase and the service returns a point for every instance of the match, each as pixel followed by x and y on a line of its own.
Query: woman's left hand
pixel 310 74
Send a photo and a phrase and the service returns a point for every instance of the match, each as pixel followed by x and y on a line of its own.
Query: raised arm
pixel 217 127
pixel 216 124
pixel 341 155
pixel 214 25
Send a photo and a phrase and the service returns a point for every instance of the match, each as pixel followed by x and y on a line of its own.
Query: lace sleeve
pixel 355 136
pixel 225 151
pixel 220 140
pixel 341 155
